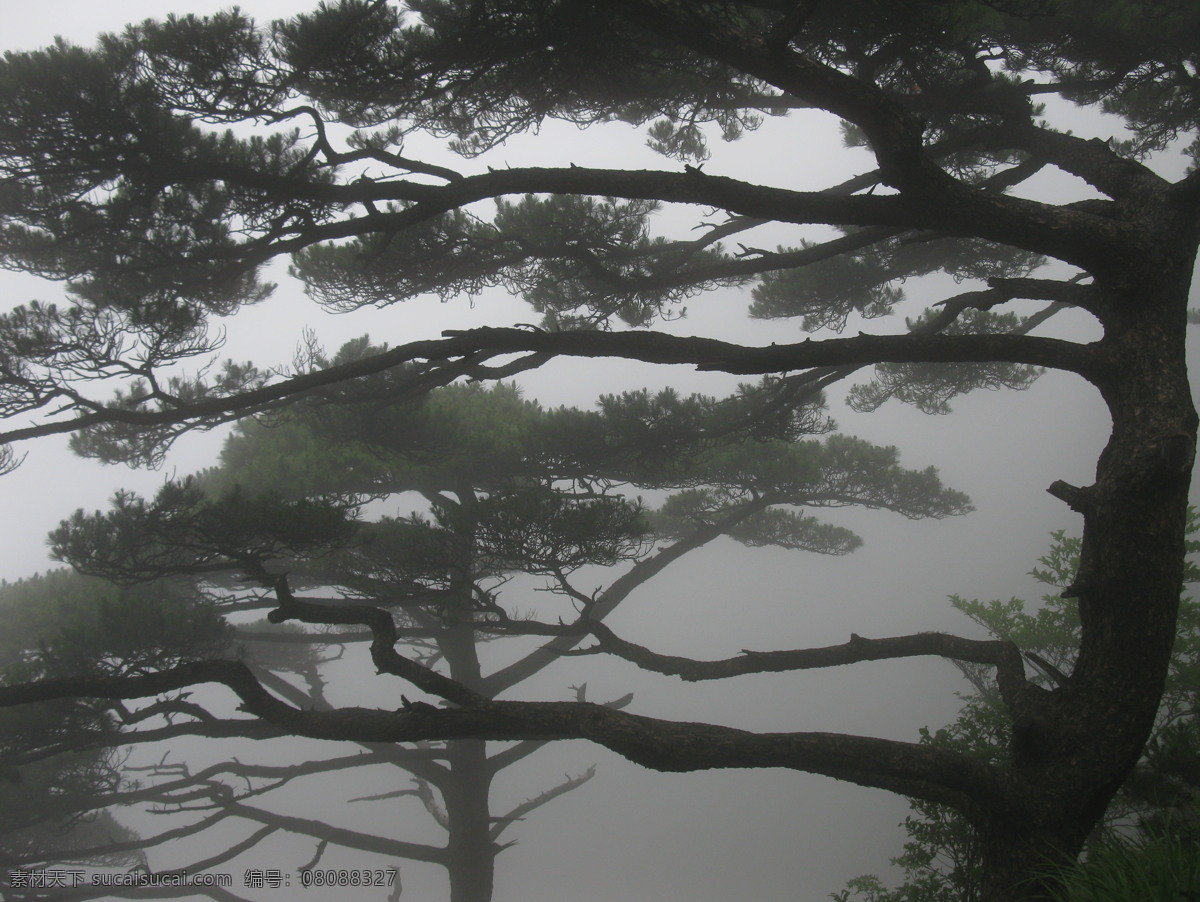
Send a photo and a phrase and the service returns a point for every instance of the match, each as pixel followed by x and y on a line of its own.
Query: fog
pixel 630 833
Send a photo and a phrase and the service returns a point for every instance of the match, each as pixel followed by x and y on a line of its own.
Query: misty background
pixel 630 833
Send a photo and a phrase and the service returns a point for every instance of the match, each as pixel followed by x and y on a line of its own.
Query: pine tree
pixel 125 178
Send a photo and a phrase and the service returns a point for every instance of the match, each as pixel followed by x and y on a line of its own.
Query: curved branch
pixel 461 352
pixel 1066 233
pixel 383 645
pixel 921 771
pixel 1004 656
pixel 1092 160
pixel 280 773
pixel 895 134
pixel 140 843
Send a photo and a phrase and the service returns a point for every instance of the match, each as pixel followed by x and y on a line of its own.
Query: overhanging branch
pixel 920 771
pixel 462 353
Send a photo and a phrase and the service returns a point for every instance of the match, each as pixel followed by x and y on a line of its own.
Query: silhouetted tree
pixel 503 489
pixel 120 181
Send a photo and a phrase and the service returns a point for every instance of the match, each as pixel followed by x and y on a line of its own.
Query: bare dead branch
pixel 504 821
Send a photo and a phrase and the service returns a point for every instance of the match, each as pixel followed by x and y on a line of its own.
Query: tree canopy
pixel 126 180
pixel 159 172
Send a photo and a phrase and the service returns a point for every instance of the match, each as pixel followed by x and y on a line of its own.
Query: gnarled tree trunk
pixel 1073 746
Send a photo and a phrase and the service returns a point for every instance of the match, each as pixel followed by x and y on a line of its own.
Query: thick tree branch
pixel 651 347
pixel 1093 160
pixel 383 646
pixel 715 355
pixel 521 750
pixel 1062 232
pixel 921 771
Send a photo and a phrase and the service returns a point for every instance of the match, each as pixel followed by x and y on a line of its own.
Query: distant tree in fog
pixel 502 489
pixel 61 762
pixel 119 179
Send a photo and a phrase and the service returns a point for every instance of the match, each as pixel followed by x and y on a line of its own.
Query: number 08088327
pixel 348 877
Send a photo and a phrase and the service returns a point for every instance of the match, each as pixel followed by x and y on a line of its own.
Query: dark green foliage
pixel 531 530
pixel 461 433
pixel 856 469
pixel 183 531
pixel 685 511
pixel 44 811
pixel 576 260
pixel 400 555
pixel 666 440
pixel 826 294
pixel 59 766
pixel 387 442
pixel 133 145
pixel 1159 867
pixel 931 386
pixel 1136 60
pixel 867 281
pixel 517 470
pixel 598 260
pixel 484 72
pixel 63 623
pixel 540 530
pixel 448 255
